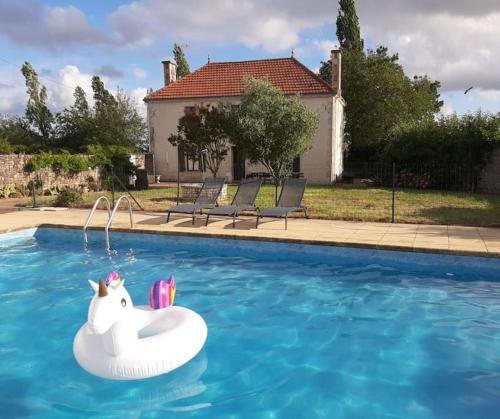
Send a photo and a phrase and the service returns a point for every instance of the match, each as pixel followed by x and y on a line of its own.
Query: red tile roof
pixel 227 79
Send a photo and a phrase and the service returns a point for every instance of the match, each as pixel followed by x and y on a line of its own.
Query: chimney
pixel 169 71
pixel 337 71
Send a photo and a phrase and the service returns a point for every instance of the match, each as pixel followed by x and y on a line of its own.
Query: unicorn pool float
pixel 123 342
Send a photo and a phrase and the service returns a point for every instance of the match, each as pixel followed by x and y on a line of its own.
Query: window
pixel 188 162
pixel 189 110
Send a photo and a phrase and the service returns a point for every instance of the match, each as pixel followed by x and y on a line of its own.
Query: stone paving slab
pixel 476 241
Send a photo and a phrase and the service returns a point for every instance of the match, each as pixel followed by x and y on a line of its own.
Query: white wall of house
pixel 322 164
pixel 338 138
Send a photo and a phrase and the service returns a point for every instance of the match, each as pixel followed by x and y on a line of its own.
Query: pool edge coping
pixel 319 242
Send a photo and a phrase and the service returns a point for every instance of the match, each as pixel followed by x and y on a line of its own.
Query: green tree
pixel 204 131
pixel 115 119
pixel 271 128
pixel 75 125
pixel 16 131
pixel 378 94
pixel 348 32
pixel 37 113
pixel 104 100
pixel 180 59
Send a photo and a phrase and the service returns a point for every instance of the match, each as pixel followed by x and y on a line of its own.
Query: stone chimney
pixel 169 71
pixel 337 71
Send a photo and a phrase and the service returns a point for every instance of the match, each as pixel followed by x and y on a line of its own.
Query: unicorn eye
pixel 124 302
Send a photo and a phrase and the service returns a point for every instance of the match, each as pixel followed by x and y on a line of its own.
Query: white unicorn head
pixel 109 305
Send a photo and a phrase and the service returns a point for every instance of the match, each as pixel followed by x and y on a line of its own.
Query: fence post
pixel 33 192
pixel 178 182
pixel 112 186
pixel 276 191
pixel 393 190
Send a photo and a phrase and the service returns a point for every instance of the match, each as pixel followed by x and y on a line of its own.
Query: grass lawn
pixel 357 203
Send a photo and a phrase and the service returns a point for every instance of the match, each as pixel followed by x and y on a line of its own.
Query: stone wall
pixel 489 180
pixel 12 174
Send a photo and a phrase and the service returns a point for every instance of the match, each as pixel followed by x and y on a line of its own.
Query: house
pixel 224 81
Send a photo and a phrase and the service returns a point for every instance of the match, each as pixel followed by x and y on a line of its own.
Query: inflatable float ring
pixel 123 342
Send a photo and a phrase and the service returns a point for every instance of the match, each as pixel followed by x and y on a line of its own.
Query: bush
pixel 454 140
pixel 5 147
pixel 68 197
pixel 64 162
pixel 7 191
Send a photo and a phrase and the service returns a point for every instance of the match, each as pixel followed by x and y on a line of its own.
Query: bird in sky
pixel 468 90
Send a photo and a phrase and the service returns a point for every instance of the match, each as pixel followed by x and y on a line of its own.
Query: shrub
pixel 64 162
pixel 68 197
pixel 5 147
pixel 7 191
pixel 465 140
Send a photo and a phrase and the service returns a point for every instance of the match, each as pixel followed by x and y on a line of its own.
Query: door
pixel 238 165
pixel 296 167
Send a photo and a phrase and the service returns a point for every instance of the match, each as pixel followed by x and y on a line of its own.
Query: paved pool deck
pixel 476 241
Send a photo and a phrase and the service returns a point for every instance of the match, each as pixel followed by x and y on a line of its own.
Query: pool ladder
pixel 111 215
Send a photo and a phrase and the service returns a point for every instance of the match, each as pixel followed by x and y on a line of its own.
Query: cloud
pixel 107 70
pixel 325 47
pixel 12 92
pixel 60 90
pixel 269 25
pixel 447 109
pixel 140 73
pixel 454 41
pixel 137 96
pixel 490 95
pixel 32 24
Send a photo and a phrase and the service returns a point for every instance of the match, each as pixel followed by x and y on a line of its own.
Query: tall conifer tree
pixel 348 32
pixel 180 59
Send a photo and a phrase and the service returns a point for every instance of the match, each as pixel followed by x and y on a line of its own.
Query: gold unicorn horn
pixel 103 291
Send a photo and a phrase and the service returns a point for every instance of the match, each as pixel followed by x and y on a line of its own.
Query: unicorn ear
pixel 94 285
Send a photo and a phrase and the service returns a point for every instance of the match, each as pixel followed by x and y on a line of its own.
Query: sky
pixel 67 41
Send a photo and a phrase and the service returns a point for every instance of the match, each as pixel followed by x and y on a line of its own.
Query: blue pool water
pixel 294 331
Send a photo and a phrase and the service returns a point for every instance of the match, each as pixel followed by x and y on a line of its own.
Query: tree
pixel 16 131
pixel 348 32
pixel 271 128
pixel 378 94
pixel 75 125
pixel 104 100
pixel 180 59
pixel 204 131
pixel 37 113
pixel 115 119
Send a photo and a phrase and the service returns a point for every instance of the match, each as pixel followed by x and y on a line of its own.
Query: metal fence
pixel 399 193
pixel 409 193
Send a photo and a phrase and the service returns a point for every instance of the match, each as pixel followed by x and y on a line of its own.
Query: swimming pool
pixel 293 330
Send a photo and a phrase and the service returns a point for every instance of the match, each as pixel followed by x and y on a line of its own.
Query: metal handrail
pixel 115 208
pixel 91 214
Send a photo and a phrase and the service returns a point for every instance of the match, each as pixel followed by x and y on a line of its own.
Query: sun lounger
pixel 244 200
pixel 289 201
pixel 207 198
